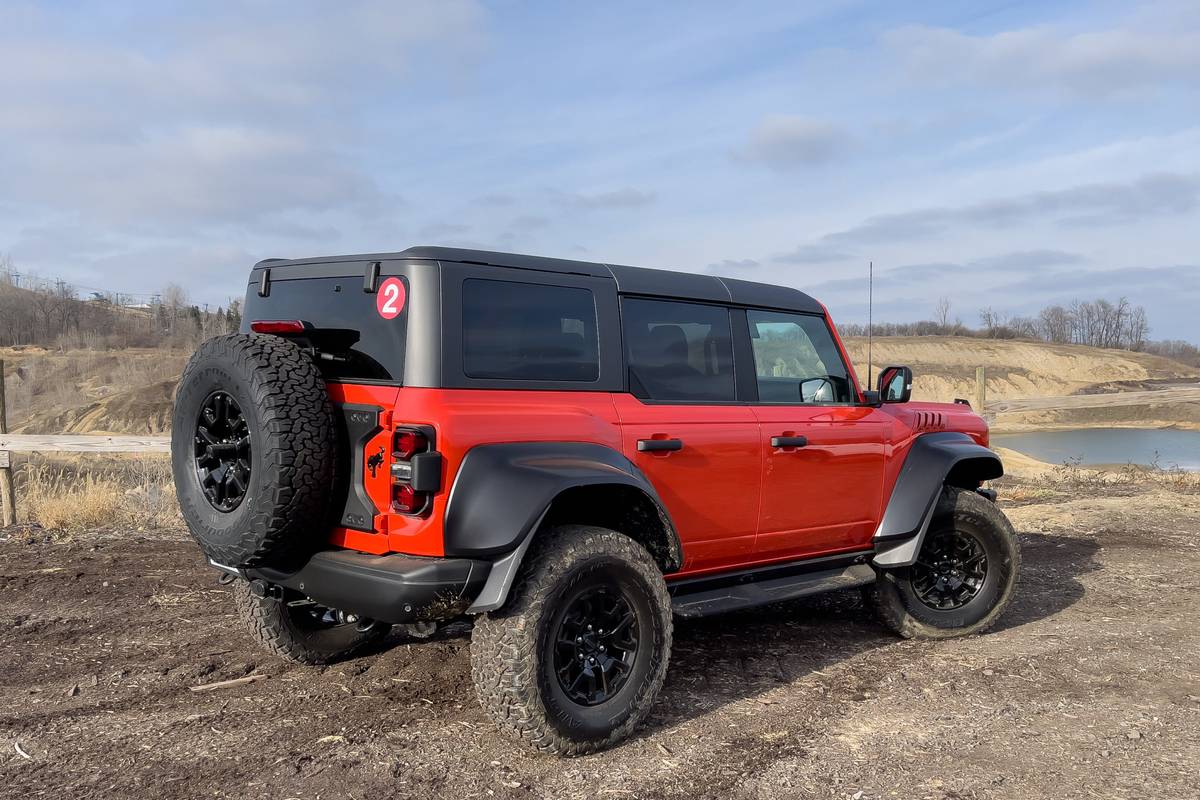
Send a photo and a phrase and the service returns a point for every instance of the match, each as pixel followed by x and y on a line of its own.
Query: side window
pixel 678 351
pixel 529 332
pixel 796 359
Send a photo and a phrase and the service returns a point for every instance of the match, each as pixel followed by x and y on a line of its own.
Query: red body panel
pixel 710 487
pixel 734 499
pixel 827 496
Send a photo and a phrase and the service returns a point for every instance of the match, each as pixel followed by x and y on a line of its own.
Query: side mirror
pixel 895 384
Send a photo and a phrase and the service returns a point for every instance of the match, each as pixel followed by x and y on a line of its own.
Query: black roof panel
pixel 629 280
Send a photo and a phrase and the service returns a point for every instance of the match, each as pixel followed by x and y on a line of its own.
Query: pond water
pixel 1108 446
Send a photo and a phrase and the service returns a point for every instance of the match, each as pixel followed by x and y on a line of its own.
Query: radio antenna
pixel 870 318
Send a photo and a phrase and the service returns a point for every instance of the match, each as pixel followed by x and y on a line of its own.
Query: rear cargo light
pixel 277 326
pixel 416 470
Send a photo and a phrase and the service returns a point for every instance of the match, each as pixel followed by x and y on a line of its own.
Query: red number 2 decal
pixel 390 300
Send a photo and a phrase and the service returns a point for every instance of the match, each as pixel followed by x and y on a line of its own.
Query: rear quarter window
pixel 529 332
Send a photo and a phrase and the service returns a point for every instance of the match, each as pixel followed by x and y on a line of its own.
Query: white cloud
pixel 1089 63
pixel 627 197
pixel 782 141
pixel 231 113
pixel 1154 195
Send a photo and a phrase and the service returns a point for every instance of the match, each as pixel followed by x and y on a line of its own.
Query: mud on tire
pixel 520 664
pixel 265 491
pixel 896 597
pixel 296 633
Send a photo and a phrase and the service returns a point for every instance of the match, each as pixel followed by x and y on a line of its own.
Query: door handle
pixel 789 441
pixel 659 445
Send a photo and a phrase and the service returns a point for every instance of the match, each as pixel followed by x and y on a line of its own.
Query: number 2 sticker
pixel 390 300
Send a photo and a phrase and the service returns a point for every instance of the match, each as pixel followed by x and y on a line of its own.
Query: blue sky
pixel 1000 154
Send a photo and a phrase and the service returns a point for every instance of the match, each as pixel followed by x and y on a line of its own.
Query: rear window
pixel 347 326
pixel 678 352
pixel 529 332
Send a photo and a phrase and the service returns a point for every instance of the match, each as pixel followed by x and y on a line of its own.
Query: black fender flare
pixel 502 493
pixel 935 460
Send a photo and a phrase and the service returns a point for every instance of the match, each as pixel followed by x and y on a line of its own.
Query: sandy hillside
pixel 84 391
pixel 944 366
pixel 130 391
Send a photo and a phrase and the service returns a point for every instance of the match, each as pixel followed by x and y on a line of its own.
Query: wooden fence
pixel 62 443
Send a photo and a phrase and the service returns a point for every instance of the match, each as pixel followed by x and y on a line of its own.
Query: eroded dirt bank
pixel 1089 688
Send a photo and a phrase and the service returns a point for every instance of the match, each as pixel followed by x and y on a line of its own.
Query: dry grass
pixel 1072 478
pixel 97 492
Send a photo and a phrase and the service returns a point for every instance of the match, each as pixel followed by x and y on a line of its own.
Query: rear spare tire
pixel 252 451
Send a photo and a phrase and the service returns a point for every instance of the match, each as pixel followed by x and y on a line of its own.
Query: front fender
pixel 935 459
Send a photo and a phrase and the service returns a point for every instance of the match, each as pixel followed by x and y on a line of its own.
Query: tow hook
pixel 989 494
pixel 263 590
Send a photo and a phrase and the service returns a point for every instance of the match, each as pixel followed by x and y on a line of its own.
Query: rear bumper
pixel 391 588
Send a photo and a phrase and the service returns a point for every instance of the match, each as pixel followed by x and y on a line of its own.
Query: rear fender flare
pixel 502 493
pixel 934 461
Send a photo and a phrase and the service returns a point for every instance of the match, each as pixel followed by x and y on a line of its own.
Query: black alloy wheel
pixel 222 451
pixel 596 645
pixel 950 570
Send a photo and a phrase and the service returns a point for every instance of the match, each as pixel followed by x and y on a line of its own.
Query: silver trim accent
pixel 227 569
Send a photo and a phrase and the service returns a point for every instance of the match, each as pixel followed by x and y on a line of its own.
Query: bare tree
pixel 941 313
pixel 1055 324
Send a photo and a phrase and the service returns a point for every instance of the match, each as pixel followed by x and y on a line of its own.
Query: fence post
pixel 8 494
pixel 980 390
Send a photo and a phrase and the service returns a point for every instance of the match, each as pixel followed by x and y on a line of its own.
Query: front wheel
pixel 964 575
pixel 573 662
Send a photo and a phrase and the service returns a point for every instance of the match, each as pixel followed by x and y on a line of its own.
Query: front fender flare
pixel 935 460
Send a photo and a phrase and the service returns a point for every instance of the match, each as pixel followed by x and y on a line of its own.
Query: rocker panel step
pixel 776 590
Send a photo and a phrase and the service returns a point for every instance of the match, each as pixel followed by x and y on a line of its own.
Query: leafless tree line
pixel 1099 323
pixel 52 314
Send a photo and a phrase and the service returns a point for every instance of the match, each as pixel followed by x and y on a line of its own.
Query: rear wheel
pixel 295 628
pixel 964 575
pixel 575 659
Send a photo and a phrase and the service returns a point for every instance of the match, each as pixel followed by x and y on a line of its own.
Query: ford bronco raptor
pixel 572 453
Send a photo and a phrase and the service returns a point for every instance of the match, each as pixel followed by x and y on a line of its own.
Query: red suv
pixel 572 453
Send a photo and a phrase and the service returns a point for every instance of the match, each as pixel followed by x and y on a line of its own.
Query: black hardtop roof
pixel 629 280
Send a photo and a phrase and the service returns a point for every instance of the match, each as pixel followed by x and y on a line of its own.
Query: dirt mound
pixel 146 409
pixel 944 366
pixel 1185 416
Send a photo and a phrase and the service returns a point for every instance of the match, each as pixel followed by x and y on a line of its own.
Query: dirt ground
pixel 1088 688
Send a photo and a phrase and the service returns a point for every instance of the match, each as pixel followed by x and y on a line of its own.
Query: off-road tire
pixel 283 399
pixel 282 632
pixel 515 679
pixel 895 602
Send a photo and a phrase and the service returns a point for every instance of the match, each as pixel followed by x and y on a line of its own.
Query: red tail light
pixel 416 470
pixel 278 326
pixel 408 443
pixel 405 499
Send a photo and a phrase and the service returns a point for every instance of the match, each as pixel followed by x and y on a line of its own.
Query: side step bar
pixel 773 590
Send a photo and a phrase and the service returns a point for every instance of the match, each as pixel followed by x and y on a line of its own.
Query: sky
pixel 1001 154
